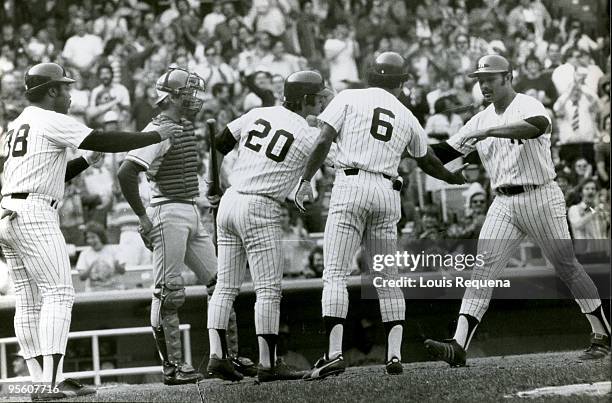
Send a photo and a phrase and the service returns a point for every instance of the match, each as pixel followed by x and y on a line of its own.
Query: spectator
pixel 589 219
pixel 553 58
pixel 7 57
pixel 315 263
pixel 216 70
pixel 416 102
pixel 430 224
pixel 460 92
pixel 98 181
pixel 223 31
pixel 442 89
pixel 341 50
pixel 79 97
pixel 266 16
pixel 98 265
pixel 476 208
pixel 260 85
pixel 18 365
pixel 279 62
pixel 187 24
pixel 108 97
pixel 278 87
pixel 579 39
pixel 308 33
pixel 460 56
pixel 110 24
pixel 443 123
pixel 576 110
pixel 82 49
pixel 212 19
pixel 533 81
pixel 145 108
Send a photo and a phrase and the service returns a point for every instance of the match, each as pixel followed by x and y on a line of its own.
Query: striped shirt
pixel 37 144
pixel 273 146
pixel 510 162
pixel 374 129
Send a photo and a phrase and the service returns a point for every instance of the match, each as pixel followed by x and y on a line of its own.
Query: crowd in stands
pixel 244 49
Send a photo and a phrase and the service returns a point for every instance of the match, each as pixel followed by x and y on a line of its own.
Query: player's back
pixel 35 146
pixel 374 128
pixel 274 143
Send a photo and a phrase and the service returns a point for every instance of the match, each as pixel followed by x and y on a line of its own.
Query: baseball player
pixel 30 236
pixel 172 224
pixel 373 130
pixel 512 137
pixel 273 144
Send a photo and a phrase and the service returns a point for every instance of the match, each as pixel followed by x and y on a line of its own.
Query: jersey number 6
pixel 382 129
pixel 280 157
pixel 20 145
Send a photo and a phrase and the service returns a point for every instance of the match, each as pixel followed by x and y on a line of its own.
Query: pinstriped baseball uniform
pixel 274 144
pixel 33 243
pixel 538 213
pixel 374 129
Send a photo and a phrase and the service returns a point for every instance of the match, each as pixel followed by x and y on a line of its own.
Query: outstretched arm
pixel 320 151
pixel 432 166
pixel 528 128
pixel 115 141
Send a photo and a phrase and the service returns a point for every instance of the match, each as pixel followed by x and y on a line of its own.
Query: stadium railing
pixel 97 373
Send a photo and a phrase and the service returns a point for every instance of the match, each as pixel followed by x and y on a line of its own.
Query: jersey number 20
pixel 20 145
pixel 382 129
pixel 280 157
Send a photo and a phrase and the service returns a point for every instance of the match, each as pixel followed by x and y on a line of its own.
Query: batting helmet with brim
pixel 302 83
pixel 491 64
pixel 44 74
pixel 390 65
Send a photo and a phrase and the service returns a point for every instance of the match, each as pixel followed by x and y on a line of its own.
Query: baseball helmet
pixel 302 83
pixel 190 87
pixel 389 66
pixel 491 64
pixel 44 74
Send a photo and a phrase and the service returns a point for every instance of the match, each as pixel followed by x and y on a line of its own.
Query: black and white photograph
pixel 305 201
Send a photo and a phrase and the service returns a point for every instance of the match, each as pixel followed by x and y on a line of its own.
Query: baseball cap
pixel 490 64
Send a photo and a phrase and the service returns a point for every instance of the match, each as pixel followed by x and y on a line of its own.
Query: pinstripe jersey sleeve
pixel 335 112
pixel 65 131
pixel 145 156
pixel 236 126
pixel 455 140
pixel 417 145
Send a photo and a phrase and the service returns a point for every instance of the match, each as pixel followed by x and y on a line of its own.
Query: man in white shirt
pixel 82 50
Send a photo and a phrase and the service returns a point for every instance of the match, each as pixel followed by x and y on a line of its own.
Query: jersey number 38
pixel 20 143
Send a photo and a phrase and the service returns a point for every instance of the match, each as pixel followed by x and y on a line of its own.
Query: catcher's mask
pixel 188 86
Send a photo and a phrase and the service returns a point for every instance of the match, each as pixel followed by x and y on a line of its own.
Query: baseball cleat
pixel 244 365
pixel 394 367
pixel 65 389
pixel 181 374
pixel 447 350
pixel 599 348
pixel 325 367
pixel 222 368
pixel 280 372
